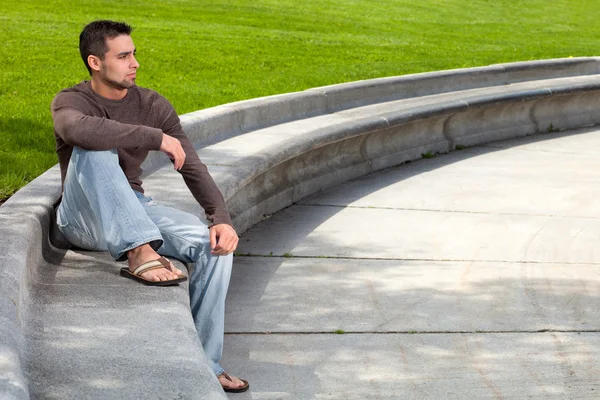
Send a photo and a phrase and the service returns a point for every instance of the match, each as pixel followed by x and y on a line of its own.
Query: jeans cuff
pixel 218 370
pixel 154 242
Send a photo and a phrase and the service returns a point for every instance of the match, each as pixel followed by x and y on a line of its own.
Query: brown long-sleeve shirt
pixel 133 125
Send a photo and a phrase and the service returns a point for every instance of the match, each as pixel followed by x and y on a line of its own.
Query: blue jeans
pixel 100 211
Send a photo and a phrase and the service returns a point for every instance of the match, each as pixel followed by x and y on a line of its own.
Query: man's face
pixel 119 66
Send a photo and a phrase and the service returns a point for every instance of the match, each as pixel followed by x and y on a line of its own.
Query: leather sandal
pixel 234 390
pixel 150 265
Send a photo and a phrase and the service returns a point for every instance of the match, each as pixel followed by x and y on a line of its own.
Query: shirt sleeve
pixel 194 172
pixel 78 126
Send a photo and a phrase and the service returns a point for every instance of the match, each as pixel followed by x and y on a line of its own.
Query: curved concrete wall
pixel 267 153
pixel 215 124
pixel 396 138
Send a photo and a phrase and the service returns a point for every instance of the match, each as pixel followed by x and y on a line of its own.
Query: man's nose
pixel 134 63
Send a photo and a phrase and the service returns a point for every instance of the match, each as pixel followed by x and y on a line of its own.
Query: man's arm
pixel 223 237
pixel 89 132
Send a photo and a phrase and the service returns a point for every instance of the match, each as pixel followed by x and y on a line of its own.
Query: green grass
pixel 201 54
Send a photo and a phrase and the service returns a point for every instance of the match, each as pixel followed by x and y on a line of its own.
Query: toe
pixel 165 275
pixel 234 383
pixel 171 275
pixel 175 271
pixel 157 277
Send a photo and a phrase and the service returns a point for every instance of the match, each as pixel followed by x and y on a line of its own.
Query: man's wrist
pixel 220 219
pixel 219 223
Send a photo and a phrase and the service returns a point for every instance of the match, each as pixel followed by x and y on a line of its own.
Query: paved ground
pixel 473 275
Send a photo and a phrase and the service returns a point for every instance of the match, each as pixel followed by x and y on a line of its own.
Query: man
pixel 104 129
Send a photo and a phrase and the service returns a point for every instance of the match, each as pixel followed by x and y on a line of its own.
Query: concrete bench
pixel 71 327
pixel 71 309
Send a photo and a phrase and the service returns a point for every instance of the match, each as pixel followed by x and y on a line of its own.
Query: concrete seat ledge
pixel 71 327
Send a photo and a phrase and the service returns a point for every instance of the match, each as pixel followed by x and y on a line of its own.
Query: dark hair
pixel 92 40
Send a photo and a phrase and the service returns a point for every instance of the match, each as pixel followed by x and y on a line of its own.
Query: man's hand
pixel 223 239
pixel 172 147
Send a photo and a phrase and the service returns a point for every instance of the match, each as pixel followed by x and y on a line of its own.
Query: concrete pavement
pixel 472 275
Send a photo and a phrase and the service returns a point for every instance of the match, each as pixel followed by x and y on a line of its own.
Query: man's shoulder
pixel 157 102
pixel 150 95
pixel 74 96
pixel 81 90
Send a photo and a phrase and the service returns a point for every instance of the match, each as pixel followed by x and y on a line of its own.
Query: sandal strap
pixel 165 263
pixel 147 266
pixel 226 376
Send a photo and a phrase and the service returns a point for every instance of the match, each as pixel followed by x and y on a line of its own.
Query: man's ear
pixel 94 62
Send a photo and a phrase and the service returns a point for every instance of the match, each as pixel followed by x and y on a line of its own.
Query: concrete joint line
pixel 533 119
pixel 362 146
pixel 238 118
pixel 451 211
pixel 409 332
pixel 314 257
pixel 451 142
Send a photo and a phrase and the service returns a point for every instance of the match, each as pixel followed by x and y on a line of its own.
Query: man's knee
pixel 95 166
pixel 79 155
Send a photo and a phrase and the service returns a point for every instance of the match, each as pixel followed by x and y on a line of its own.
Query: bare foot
pixel 232 384
pixel 145 253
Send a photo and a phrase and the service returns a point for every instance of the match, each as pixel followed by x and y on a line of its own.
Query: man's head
pixel 108 52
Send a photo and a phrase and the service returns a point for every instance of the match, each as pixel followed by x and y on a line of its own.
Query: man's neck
pixel 107 91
